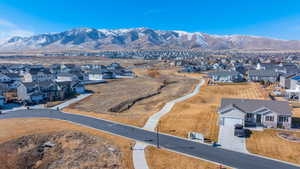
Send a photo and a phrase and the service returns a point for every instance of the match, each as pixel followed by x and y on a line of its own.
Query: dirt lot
pixel 15 128
pixel 267 143
pixel 112 94
pixel 60 150
pixel 199 113
pixel 163 159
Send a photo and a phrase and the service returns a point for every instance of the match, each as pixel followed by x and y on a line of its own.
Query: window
pixel 269 118
pixel 283 118
pixel 249 115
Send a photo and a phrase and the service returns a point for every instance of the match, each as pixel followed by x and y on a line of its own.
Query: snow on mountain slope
pixel 141 38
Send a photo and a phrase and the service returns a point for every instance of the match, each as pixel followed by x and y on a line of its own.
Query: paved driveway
pixel 229 141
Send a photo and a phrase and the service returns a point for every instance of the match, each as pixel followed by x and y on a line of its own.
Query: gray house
pixel 226 76
pixel 262 75
pixel 248 112
pixel 285 80
pixel 293 81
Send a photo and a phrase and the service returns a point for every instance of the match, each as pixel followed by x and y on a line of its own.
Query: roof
pixel 251 105
pixel 39 70
pixel 224 73
pixel 262 73
pixel 12 75
pixel 288 75
pixel 296 78
pixel 65 74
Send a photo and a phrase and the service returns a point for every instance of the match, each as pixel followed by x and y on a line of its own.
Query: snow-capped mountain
pixel 141 38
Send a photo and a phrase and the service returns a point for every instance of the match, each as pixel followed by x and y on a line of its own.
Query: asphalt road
pixel 226 157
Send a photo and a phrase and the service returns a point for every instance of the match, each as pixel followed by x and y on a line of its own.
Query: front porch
pixel 253 120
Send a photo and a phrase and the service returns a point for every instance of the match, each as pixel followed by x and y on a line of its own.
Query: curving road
pixel 203 151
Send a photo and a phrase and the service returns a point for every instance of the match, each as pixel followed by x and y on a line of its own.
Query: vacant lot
pixel 199 113
pixel 113 93
pixel 15 128
pixel 75 60
pixel 65 149
pixel 163 159
pixel 267 143
pixel 126 94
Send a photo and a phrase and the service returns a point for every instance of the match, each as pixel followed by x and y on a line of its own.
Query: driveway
pixel 229 141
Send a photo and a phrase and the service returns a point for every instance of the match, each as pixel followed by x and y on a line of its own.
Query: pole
pixel 157 135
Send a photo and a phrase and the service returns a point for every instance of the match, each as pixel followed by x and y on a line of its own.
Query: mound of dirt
pixel 59 150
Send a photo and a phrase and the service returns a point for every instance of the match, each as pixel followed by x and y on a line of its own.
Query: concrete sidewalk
pixel 138 155
pixel 154 119
pixel 71 101
pixel 139 159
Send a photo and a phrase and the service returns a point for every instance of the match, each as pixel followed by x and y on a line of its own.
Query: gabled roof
pixel 224 73
pixel 268 73
pixel 12 75
pixel 39 70
pixel 251 105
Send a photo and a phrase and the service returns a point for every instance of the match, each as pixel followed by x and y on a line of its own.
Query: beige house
pixel 253 113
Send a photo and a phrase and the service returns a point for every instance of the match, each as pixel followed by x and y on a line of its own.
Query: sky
pixel 272 18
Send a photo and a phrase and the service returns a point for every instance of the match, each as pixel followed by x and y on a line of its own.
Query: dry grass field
pixel 15 128
pixel 108 95
pixel 163 159
pixel 115 92
pixel 267 143
pixel 296 112
pixel 74 60
pixel 199 113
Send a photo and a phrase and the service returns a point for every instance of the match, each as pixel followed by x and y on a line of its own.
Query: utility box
pixel 196 137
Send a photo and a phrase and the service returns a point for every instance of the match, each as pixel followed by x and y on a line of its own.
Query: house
pixel 36 97
pixel 226 76
pixel 62 77
pixel 285 80
pixel 293 81
pixel 28 92
pixel 78 88
pixel 2 101
pixel 100 75
pixel 37 75
pixel 262 75
pixel 14 76
pixel 65 89
pixel 250 112
pixel 294 92
pixel 4 78
pixel 37 92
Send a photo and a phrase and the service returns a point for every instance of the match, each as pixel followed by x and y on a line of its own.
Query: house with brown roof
pixel 253 113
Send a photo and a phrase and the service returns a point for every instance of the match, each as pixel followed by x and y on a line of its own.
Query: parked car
pixel 239 131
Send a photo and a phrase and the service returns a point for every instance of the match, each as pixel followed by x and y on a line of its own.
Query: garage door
pixel 232 121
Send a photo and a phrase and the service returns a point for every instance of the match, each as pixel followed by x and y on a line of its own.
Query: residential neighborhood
pixel 38 84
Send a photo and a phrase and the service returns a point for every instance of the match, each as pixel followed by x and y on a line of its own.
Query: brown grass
pixel 163 159
pixel 138 114
pixel 267 143
pixel 153 73
pixel 199 113
pixel 15 128
pixel 296 112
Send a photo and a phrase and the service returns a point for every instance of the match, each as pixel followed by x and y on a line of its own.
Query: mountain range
pixel 141 38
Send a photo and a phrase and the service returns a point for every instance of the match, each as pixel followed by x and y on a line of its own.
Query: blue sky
pixel 272 18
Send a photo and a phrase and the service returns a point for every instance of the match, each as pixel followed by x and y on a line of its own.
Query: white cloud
pixel 9 29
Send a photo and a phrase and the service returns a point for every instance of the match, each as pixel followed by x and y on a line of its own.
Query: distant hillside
pixel 141 38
